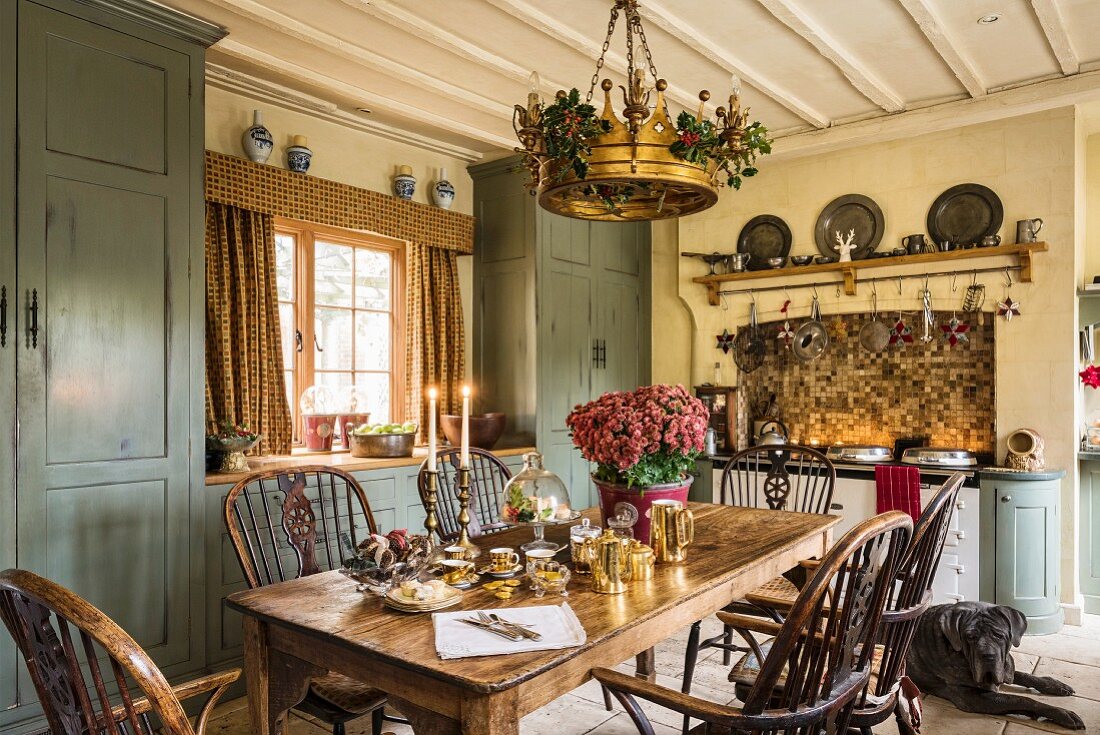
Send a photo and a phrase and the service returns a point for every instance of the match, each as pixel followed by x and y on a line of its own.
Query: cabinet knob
pixel 1006 498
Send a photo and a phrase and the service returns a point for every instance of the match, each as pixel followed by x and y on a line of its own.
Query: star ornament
pixel 725 341
pixel 1008 308
pixel 955 332
pixel 786 334
pixel 901 334
pixel 838 329
pixel 1090 376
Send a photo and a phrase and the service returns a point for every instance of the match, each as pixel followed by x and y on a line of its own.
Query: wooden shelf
pixel 848 270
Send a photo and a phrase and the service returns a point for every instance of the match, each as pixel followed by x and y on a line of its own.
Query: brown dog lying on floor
pixel 962 652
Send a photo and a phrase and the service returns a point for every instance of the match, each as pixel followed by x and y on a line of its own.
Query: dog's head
pixel 985 635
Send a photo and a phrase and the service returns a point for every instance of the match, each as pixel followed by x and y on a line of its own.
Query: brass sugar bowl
pixel 642 561
pixel 609 558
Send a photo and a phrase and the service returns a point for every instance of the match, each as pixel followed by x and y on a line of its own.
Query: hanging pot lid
pixel 874 336
pixel 811 339
pixel 749 347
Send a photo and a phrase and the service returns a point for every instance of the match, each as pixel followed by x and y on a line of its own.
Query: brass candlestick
pixel 431 523
pixel 472 549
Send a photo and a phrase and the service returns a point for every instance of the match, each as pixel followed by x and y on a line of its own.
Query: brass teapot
pixel 609 560
pixel 671 529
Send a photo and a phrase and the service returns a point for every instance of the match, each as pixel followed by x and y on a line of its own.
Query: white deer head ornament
pixel 846 245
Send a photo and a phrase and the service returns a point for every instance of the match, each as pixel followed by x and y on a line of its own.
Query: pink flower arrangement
pixel 648 436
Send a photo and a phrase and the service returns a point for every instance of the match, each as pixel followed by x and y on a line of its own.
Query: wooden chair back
pixel 821 659
pixel 488 476
pixel 83 681
pixel 779 477
pixel 911 594
pixel 287 523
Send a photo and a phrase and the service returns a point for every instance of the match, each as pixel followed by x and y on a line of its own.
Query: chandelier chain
pixel 603 53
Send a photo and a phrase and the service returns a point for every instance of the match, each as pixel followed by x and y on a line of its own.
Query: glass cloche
pixel 536 497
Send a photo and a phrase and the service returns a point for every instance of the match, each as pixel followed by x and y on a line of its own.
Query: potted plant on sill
pixel 644 444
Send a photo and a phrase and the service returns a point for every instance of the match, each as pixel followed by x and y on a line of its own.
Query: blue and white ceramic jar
pixel 257 141
pixel 443 193
pixel 298 156
pixel 404 183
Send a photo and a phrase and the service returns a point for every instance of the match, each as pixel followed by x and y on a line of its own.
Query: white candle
pixel 431 429
pixel 464 454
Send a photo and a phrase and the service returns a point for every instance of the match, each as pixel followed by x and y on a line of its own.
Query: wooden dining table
pixel 303 628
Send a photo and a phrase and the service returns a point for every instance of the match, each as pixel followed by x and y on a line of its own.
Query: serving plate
pixel 396 600
pixel 764 236
pixel 847 213
pixel 965 214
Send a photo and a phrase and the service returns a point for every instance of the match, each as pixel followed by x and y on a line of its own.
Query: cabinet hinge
pixel 189 82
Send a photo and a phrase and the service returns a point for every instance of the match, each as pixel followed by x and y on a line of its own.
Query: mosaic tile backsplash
pixel 854 396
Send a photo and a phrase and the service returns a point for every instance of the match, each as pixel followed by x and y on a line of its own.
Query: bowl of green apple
pixel 373 441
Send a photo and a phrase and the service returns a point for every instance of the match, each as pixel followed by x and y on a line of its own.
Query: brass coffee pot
pixel 609 559
pixel 671 529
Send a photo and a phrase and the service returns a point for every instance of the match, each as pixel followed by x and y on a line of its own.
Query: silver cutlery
pixel 523 630
pixel 492 628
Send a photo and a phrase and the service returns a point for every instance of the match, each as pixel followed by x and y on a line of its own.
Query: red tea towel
pixel 897 488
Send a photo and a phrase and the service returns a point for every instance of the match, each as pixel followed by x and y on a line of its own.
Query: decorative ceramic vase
pixel 443 193
pixel 404 184
pixel 257 141
pixel 298 156
pixel 635 502
pixel 1026 451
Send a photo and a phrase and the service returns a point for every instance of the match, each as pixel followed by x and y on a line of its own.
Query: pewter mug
pixel 1027 230
pixel 913 243
pixel 737 262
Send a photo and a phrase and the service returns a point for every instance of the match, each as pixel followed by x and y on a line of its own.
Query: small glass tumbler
pixel 549 576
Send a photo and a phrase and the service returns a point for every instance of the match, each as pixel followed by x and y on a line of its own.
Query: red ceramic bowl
pixel 485 430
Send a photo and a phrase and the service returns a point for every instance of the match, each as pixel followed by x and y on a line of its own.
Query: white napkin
pixel 558 626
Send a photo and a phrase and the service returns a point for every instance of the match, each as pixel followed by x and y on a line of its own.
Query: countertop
pixel 340 459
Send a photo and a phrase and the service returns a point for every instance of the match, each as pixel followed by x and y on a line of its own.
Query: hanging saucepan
pixel 749 347
pixel 874 336
pixel 810 339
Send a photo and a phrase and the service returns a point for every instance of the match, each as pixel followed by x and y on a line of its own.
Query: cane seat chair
pixel 820 660
pixel 286 524
pixel 82 665
pixel 488 476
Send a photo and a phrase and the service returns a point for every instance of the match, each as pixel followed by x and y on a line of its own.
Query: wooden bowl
pixel 485 430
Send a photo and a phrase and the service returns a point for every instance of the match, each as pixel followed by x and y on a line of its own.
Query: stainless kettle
pixel 772 432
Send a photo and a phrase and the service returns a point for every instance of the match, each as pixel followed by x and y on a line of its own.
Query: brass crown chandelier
pixel 644 166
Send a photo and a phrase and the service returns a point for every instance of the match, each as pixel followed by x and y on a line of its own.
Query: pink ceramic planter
pixel 615 499
pixel 318 431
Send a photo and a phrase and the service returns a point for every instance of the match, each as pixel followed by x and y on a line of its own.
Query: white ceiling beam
pixel 327 42
pixel 397 16
pixel 870 86
pixel 1050 18
pixel 309 77
pixel 242 83
pixel 698 42
pixel 550 26
pixel 936 33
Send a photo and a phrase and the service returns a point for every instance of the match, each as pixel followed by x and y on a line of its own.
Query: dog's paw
pixel 1065 718
pixel 1052 686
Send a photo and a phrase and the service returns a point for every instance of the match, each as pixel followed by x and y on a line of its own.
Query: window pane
pixel 291 399
pixel 284 266
pixel 332 274
pixel 333 331
pixel 373 272
pixel 372 341
pixel 376 387
pixel 337 383
pixel 286 328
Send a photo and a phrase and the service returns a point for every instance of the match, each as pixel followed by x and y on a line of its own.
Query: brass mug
pixel 454 552
pixel 641 561
pixel 455 570
pixel 503 559
pixel 671 529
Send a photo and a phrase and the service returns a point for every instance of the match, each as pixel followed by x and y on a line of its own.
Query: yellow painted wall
pixel 345 155
pixel 1029 161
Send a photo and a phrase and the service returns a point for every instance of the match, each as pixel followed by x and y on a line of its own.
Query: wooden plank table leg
pixel 423 721
pixel 645 665
pixel 275 681
pixel 491 714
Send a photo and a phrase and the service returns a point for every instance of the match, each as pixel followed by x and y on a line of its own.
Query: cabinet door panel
pixel 1027 525
pixel 1090 529
pixel 104 398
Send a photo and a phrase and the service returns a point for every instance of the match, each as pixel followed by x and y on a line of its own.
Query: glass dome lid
pixel 536 495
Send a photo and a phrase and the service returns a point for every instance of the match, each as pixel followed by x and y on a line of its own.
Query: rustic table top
pixel 729 544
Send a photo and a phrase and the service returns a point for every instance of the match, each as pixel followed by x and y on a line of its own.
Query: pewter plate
pixel 847 213
pixel 764 236
pixel 965 214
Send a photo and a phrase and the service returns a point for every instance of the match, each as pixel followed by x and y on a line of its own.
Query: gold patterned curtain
pixel 436 342
pixel 244 360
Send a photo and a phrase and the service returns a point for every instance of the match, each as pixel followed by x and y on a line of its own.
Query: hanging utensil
pixel 874 336
pixel 974 298
pixel 928 317
pixel 749 348
pixel 811 339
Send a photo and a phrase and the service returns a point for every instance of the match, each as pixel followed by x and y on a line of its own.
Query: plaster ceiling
pixel 451 71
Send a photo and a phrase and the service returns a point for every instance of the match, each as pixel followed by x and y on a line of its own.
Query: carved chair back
pixel 287 523
pixel 488 476
pixel 779 477
pixel 911 593
pixel 821 659
pixel 83 681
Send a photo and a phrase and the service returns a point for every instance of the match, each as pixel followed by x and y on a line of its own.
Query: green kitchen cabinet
pixel 1090 532
pixel 102 109
pixel 1021 533
pixel 561 315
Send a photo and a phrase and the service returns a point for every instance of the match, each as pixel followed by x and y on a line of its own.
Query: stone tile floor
pixel 1072 655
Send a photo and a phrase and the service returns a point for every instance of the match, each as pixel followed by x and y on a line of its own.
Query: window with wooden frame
pixel 342 314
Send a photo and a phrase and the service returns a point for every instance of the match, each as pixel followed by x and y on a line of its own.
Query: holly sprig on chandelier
pixel 569 125
pixel 701 143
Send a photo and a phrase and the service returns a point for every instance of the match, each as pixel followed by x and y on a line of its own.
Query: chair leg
pixel 727 638
pixel 338 729
pixel 376 721
pixel 607 699
pixel 691 655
